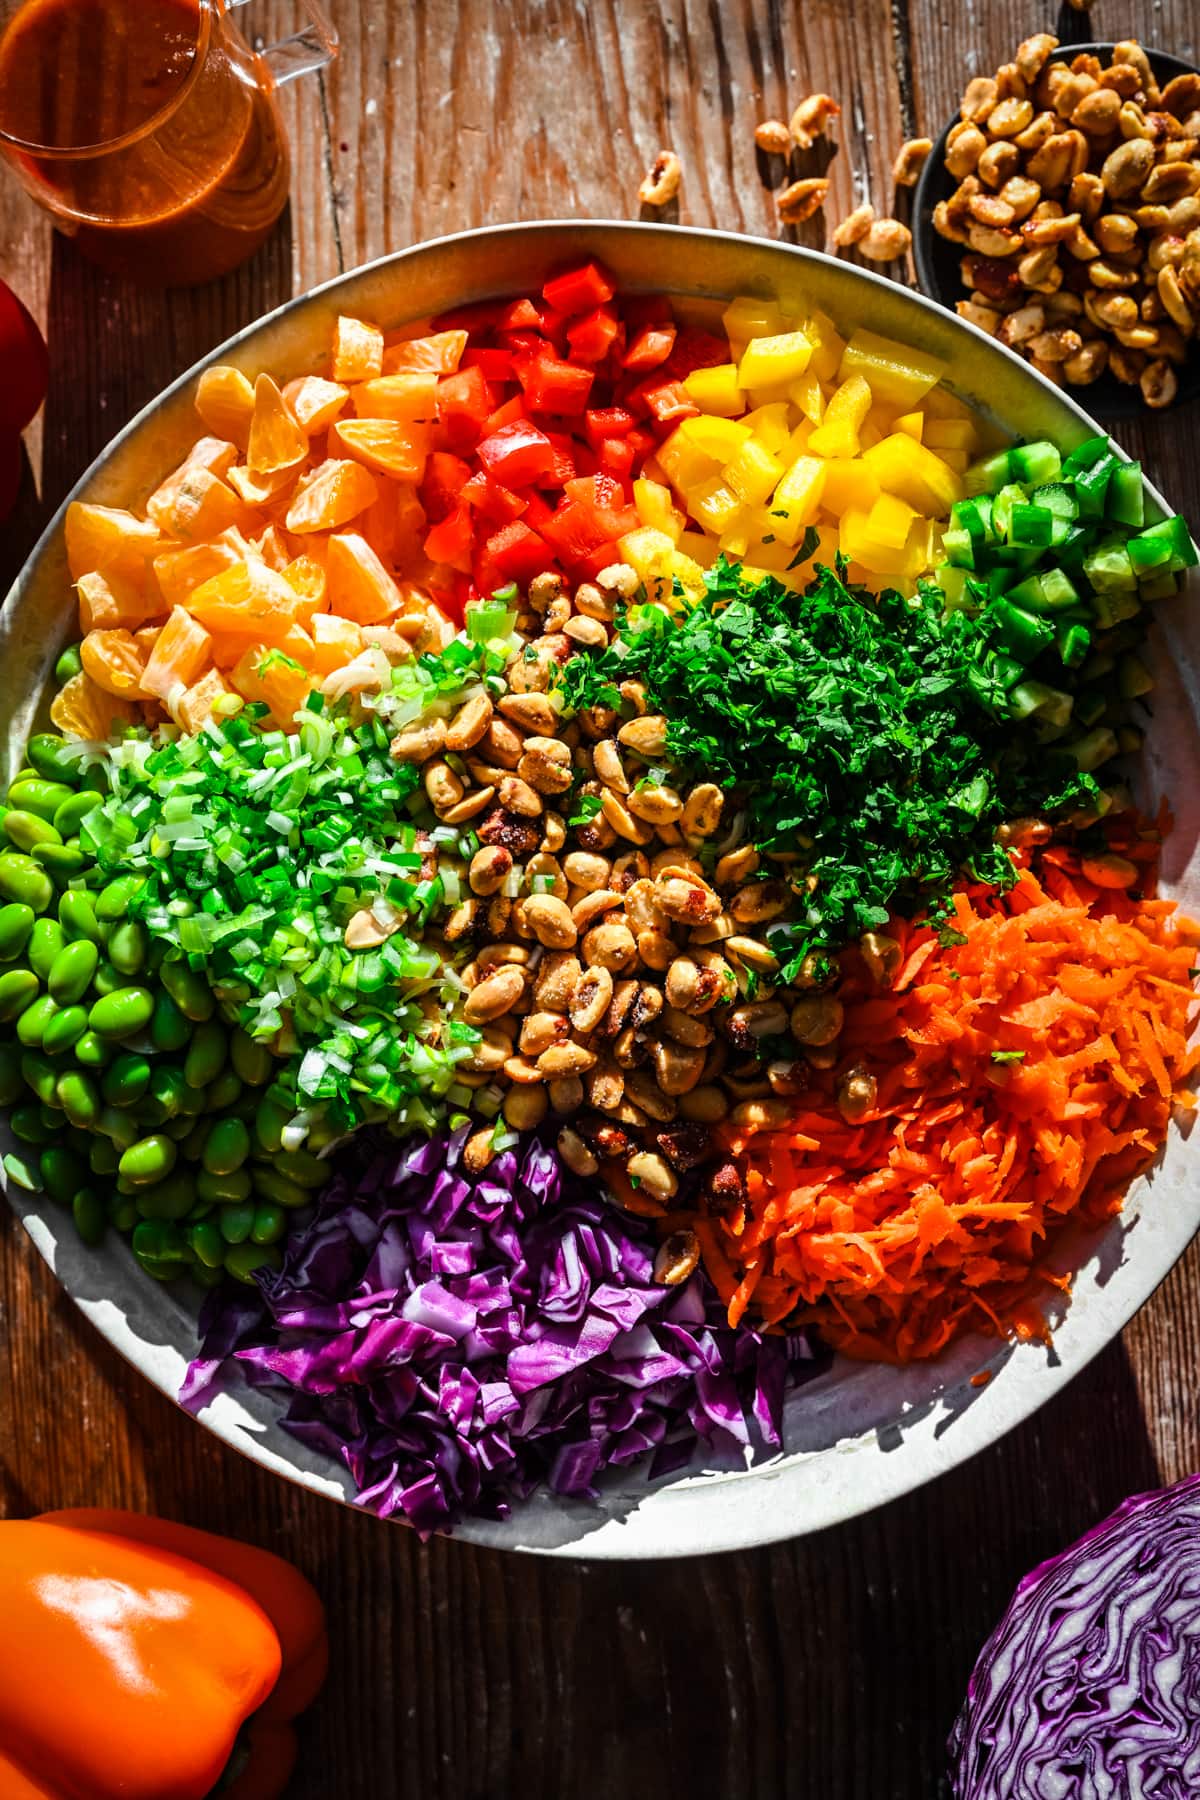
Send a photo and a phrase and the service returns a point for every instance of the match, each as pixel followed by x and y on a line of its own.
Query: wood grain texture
pixel 830 1667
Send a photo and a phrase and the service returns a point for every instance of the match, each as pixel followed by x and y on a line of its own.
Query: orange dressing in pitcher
pixel 204 182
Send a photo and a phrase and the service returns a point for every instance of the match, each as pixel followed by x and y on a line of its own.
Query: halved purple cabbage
pixel 455 1340
pixel 1090 1685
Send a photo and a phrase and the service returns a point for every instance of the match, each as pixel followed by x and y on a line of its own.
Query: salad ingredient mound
pixel 456 1339
pixel 869 737
pixel 1087 1686
pixel 1006 1083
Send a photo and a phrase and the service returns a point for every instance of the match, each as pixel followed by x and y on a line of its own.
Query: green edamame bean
pixel 169 1088
pixel 126 1079
pixel 40 1074
pixel 252 1061
pixel 77 915
pixel 243 1259
pixel 160 1269
pixel 107 980
pixel 92 1051
pixel 23 1173
pixel 27 1124
pixel 227 1146
pixel 64 1030
pixel 31 794
pixel 69 664
pixel 16 923
pixel 206 1055
pixel 103 1156
pixel 73 812
pixel 72 970
pixel 119 1124
pixel 122 1012
pixel 63 1173
pixel 208 1244
pixel 179 1127
pixel 302 1167
pixel 236 1221
pixel 171 1198
pixel 188 989
pixel 112 902
pixel 46 940
pixel 12 1082
pixel 24 880
pixel 62 862
pixel 149 1113
pixel 150 1159
pixel 169 1029
pixel 127 946
pixel 270 1223
pixel 160 1239
pixel 223 1093
pixel 122 1211
pixel 192 1146
pixel 193 1101
pixel 48 755
pixel 199 1209
pixel 19 988
pixel 236 1185
pixel 34 1020
pixel 24 829
pixel 87 1210
pixel 79 1098
pixel 279 1188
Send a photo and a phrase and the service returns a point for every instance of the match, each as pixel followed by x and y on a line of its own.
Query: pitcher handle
pixel 311 48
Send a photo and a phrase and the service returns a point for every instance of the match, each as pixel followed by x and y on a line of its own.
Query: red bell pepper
pixel 695 349
pixel 665 400
pixel 512 412
pixel 520 315
pixel 593 336
pixel 652 346
pixel 519 553
pixel 450 541
pixel 497 365
pixel 566 459
pixel 580 289
pixel 464 401
pixel 518 455
pixel 492 501
pixel 575 531
pixel 552 385
pixel 607 422
pixel 444 479
pixel 616 457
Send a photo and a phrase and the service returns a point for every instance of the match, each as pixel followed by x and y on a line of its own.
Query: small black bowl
pixel 937 258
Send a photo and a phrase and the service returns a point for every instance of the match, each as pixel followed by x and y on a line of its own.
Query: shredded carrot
pixel 1023 1078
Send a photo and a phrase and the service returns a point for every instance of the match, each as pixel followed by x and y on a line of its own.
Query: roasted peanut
pixel 854 226
pixel 911 159
pixel 800 200
pixel 812 118
pixel 660 184
pixel 886 240
pixel 773 137
pixel 497 994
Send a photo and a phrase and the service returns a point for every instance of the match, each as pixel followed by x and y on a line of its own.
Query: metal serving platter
pixel 858 1435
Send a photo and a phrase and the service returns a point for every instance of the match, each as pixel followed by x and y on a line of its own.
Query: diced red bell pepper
pixel 464 401
pixel 444 479
pixel 518 552
pixel 566 450
pixel 575 531
pixel 451 541
pixel 497 365
pixel 616 457
pixel 580 289
pixel 552 385
pixel 593 336
pixel 492 501
pixel 511 413
pixel 595 490
pixel 644 443
pixel 602 558
pixel 646 309
pixel 537 511
pixel 695 349
pixel 652 346
pixel 520 315
pixel 667 401
pixel 519 455
pixel 607 422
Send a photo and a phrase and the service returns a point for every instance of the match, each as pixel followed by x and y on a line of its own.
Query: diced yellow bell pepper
pixel 856 540
pixel 683 462
pixel 850 401
pixel 753 472
pixel 923 547
pixel 849 484
pixel 958 460
pixel 689 574
pixel 698 548
pixel 951 434
pixel 733 543
pixel 767 360
pixel 649 552
pixel 890 520
pixel 940 403
pixel 899 375
pixel 716 390
pixel 834 437
pixel 806 394
pixel 912 424
pixel 912 471
pixel 769 553
pixel 655 507
pixel 748 317
pixel 869 436
pixel 770 426
pixel 714 504
pixel 797 443
pixel 722 438
pixel 827 345
pixel 796 499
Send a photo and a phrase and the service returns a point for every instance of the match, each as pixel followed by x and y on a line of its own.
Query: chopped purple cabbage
pixel 455 1340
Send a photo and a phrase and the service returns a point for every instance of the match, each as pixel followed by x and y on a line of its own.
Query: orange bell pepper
pixel 143 1660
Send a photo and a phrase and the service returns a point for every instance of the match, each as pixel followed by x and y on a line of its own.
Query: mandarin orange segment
pixel 314 402
pixel 145 638
pixel 336 642
pixel 276 440
pixel 386 445
pixel 108 538
pixel 274 548
pixel 262 673
pixel 108 601
pixel 360 588
pixel 331 496
pixel 225 401
pixel 197 506
pixel 262 490
pixel 442 352
pixel 249 598
pixel 180 656
pixel 214 455
pixel 114 662
pixel 84 710
pixel 307 576
pixel 228 647
pixel 411 394
pixel 179 572
pixel 357 350
pixel 194 708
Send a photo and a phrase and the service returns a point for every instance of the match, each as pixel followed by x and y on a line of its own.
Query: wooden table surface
pixel 829 1667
